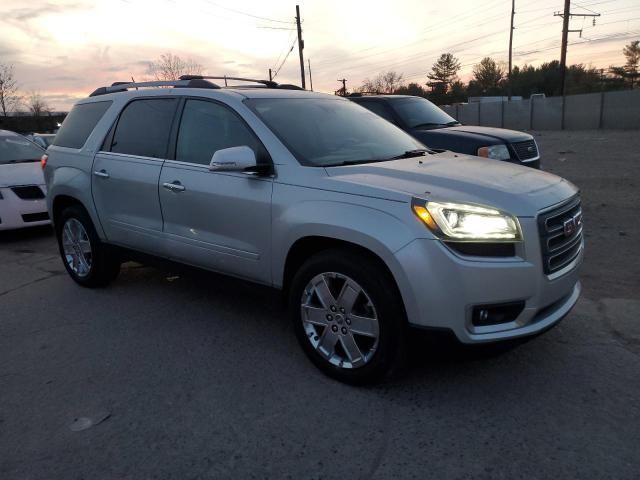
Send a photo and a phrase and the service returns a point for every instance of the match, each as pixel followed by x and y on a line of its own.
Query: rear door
pixel 126 172
pixel 217 220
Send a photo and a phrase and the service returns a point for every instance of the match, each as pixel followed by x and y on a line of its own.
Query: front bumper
pixel 17 213
pixel 440 289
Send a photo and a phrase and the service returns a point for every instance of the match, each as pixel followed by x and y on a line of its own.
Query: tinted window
pixel 79 124
pixel 144 128
pixel 378 108
pixel 207 127
pixel 17 149
pixel 418 112
pixel 323 132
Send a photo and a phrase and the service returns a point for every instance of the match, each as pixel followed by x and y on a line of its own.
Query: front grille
pixel 560 235
pixel 35 217
pixel 28 192
pixel 526 150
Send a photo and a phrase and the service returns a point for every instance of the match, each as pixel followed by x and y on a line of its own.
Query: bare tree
pixel 171 67
pixel 37 104
pixel 9 98
pixel 387 82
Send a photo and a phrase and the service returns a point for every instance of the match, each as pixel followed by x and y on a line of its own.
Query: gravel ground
pixel 194 376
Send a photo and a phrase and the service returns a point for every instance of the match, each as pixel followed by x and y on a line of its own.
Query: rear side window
pixel 144 128
pixel 79 124
pixel 379 109
pixel 207 127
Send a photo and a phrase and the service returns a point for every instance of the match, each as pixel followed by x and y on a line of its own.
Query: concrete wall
pixel 611 110
pixel 517 115
pixel 621 110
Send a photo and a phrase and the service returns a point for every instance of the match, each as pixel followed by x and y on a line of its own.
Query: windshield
pixel 17 149
pixel 416 112
pixel 326 132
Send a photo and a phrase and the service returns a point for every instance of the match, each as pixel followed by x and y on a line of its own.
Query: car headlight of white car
pixel 497 152
pixel 460 222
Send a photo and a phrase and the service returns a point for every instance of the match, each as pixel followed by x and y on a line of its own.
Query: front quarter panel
pixel 375 224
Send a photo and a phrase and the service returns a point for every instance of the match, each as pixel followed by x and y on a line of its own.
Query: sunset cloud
pixel 65 49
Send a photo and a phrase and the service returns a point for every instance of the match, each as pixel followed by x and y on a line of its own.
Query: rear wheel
pixel 88 261
pixel 348 317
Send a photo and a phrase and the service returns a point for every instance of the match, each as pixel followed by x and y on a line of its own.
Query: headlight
pixel 467 223
pixel 497 152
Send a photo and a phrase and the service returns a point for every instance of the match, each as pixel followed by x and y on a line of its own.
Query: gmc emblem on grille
pixel 572 224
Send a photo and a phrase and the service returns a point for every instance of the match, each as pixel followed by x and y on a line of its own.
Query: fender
pixel 380 232
pixel 76 183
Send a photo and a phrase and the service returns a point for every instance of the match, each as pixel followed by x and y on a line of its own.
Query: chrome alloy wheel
pixel 340 320
pixel 76 247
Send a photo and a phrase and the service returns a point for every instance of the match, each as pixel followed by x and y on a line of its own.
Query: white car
pixel 22 187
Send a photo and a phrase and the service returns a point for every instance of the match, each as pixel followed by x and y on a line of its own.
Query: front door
pixel 217 220
pixel 126 172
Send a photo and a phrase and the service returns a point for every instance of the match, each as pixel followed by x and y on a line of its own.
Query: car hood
pixel 495 135
pixel 452 177
pixel 21 174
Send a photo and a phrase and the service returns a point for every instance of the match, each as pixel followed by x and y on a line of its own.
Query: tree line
pixel 490 78
pixel 12 99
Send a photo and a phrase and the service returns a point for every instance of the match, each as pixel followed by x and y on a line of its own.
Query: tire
pixel 373 319
pixel 88 261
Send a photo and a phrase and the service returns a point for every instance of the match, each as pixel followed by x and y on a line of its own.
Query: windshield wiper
pixel 451 124
pixel 420 152
pixel 355 162
pixel 26 160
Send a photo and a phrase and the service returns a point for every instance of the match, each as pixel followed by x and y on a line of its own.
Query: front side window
pixel 324 132
pixel 207 127
pixel 420 112
pixel 79 124
pixel 144 128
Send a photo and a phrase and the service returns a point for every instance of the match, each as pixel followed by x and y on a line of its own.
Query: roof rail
pixel 182 83
pixel 266 83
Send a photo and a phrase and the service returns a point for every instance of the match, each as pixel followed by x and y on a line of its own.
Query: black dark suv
pixel 436 129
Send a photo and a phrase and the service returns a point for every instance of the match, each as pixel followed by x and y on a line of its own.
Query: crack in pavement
pixel 6 292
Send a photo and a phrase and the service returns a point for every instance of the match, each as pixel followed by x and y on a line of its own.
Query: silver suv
pixel 365 229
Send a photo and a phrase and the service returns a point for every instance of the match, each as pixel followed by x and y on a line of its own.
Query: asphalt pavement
pixel 172 374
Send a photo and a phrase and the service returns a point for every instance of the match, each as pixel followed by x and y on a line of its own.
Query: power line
pixel 285 59
pixel 239 12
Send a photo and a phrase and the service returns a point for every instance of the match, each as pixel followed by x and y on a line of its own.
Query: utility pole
pixel 310 79
pixel 300 46
pixel 270 76
pixel 344 86
pixel 513 12
pixel 566 15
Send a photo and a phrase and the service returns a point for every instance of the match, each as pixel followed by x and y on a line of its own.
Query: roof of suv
pixel 191 84
pixel 203 92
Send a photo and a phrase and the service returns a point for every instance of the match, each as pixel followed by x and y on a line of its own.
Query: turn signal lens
pixel 424 215
pixel 43 160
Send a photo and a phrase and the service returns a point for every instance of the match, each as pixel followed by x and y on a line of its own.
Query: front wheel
pixel 348 316
pixel 87 260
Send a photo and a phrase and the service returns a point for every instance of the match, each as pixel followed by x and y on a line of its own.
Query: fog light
pixel 484 315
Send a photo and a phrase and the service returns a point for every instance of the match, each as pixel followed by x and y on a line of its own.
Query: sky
pixel 64 49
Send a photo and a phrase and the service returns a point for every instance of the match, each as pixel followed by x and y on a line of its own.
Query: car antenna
pixel 132 79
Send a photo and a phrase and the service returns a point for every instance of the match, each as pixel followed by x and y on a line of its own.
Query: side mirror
pixel 234 159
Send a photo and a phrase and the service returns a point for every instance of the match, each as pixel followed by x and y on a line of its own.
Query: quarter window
pixel 79 124
pixel 144 128
pixel 207 127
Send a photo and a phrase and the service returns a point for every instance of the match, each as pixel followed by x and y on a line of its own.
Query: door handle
pixel 174 186
pixel 101 173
